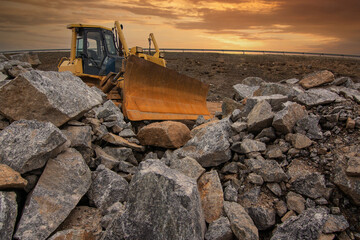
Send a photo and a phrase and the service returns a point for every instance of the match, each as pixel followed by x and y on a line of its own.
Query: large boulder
pixel 8 214
pixel 285 120
pixel 63 183
pixel 212 196
pixel 162 203
pixel 241 224
pixel 107 188
pixel 167 134
pixel 317 79
pixel 210 146
pixel 27 144
pixel 307 225
pixel 47 96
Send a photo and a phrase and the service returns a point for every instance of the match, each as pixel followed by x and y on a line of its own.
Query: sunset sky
pixel 330 26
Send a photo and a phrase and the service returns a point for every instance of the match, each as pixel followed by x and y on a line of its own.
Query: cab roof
pixel 70 26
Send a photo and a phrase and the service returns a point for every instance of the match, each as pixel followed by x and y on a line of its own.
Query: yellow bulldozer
pixel 140 82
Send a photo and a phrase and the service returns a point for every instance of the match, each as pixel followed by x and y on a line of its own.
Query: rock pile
pixel 284 164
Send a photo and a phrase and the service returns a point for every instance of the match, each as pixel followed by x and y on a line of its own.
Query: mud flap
pixel 153 92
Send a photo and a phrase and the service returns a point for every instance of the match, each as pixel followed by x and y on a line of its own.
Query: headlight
pixel 161 55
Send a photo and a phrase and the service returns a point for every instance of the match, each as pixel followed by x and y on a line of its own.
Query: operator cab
pixel 96 47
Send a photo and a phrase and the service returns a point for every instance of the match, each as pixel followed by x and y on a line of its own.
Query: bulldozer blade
pixel 153 92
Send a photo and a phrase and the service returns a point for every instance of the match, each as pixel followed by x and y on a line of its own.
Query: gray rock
pixel 245 91
pixel 3 58
pixel 310 127
pixel 274 188
pixel 16 71
pixel 188 166
pixel 107 188
pixel 276 101
pixel 125 167
pixel 8 214
pixel 252 81
pixel 298 141
pixel 250 196
pixel 111 213
pixel 263 217
pixel 295 202
pixel 270 170
pixel 29 57
pixel 307 225
pixel 230 194
pixel 228 106
pixel 292 81
pixel 211 194
pixel 161 204
pixel 255 179
pixel 108 109
pixel 281 208
pixel 3 76
pixel 267 133
pixel 353 169
pixel 27 144
pixel 127 133
pixel 80 138
pixel 350 94
pixel 317 96
pixel 311 185
pixel 241 223
pixel 269 89
pixel 248 146
pixel 335 223
pixel 47 96
pixel 349 185
pixel 103 158
pixel 285 120
pixel 274 152
pixel 61 186
pixel 119 153
pixel 239 126
pixel 219 230
pixel 210 146
pixel 260 117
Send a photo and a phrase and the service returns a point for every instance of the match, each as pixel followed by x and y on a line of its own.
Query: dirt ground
pixel 222 71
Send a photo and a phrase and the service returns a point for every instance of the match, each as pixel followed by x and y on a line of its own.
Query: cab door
pixel 93 52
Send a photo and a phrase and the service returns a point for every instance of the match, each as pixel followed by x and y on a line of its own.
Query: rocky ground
pixel 281 161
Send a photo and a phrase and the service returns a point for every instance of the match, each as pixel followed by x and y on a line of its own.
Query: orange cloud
pixel 302 25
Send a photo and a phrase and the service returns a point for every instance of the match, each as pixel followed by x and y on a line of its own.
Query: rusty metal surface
pixel 152 92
